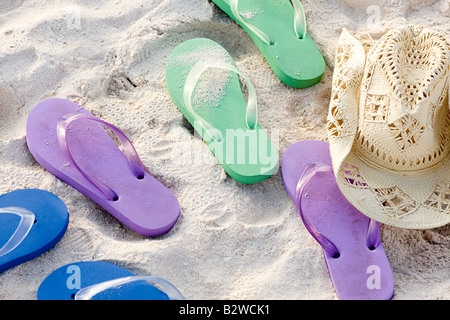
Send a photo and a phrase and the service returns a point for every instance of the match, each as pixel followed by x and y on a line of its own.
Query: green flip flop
pixel 279 30
pixel 204 83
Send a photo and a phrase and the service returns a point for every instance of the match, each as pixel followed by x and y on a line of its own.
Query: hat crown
pixel 404 116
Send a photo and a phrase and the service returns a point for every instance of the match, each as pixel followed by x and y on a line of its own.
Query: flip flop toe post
pixel 354 254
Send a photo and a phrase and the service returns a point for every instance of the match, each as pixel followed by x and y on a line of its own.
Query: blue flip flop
pixel 96 280
pixel 31 223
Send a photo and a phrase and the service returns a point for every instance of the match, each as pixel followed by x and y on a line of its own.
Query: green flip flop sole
pixel 296 61
pixel 219 111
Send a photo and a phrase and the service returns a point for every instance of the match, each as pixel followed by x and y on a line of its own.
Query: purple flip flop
pixel 71 143
pixel 355 257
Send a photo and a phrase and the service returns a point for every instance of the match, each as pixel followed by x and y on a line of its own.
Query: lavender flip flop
pixel 71 144
pixel 355 257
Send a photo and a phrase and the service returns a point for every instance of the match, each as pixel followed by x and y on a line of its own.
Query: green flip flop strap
pixel 299 20
pixel 192 80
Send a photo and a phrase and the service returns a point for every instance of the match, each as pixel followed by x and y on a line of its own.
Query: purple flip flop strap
pixel 373 230
pixel 134 161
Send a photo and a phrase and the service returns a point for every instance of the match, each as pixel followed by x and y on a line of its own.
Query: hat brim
pixel 419 201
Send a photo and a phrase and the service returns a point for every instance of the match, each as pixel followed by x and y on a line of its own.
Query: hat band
pixel 379 167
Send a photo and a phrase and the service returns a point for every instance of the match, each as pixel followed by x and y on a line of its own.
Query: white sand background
pixel 232 241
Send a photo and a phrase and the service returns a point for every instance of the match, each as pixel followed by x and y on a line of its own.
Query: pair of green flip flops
pixel 204 83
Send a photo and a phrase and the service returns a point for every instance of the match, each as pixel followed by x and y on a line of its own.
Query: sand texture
pixel 232 241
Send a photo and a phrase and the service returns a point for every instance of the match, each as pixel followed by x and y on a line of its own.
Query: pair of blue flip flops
pixel 33 221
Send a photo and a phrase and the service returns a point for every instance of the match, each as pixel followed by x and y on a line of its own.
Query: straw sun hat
pixel 389 126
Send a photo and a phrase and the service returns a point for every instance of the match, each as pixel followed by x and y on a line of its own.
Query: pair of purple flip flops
pixel 355 257
pixel 72 144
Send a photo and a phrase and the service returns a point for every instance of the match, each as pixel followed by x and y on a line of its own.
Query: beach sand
pixel 232 241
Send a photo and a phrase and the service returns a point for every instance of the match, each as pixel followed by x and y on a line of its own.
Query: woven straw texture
pixel 389 126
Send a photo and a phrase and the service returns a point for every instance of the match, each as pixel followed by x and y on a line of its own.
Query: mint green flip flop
pixel 204 83
pixel 279 30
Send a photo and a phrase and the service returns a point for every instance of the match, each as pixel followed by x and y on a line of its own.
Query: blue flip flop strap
pixel 192 80
pixel 27 219
pixel 299 21
pixel 169 289
pixel 373 238
pixel 130 152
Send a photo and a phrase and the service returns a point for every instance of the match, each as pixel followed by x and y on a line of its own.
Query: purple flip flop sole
pixel 357 272
pixel 144 205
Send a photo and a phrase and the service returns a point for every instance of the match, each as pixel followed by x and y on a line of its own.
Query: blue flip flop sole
pixel 65 282
pixel 50 225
